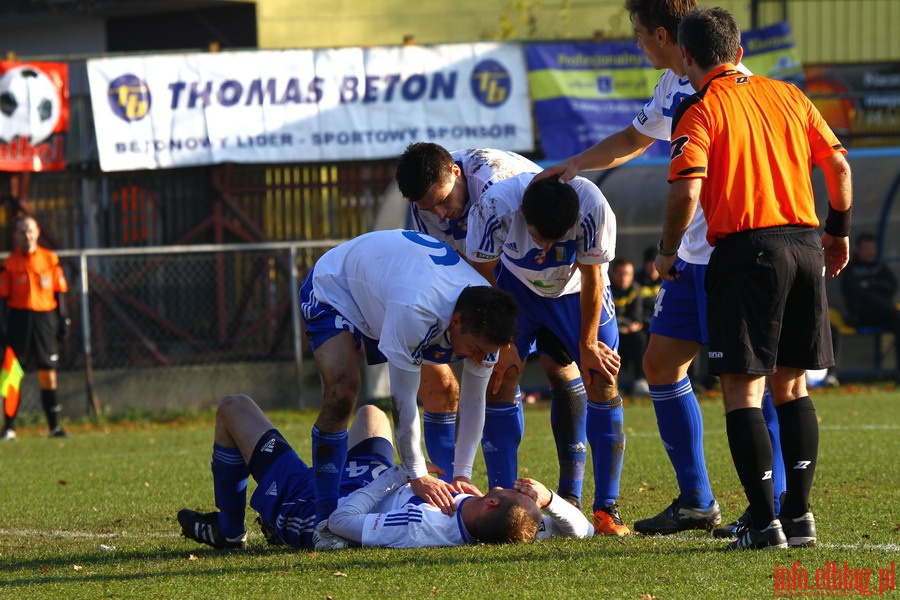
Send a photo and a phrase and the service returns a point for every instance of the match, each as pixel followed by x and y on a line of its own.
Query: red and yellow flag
pixel 10 378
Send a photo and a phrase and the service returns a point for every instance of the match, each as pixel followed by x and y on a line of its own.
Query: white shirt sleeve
pixel 564 519
pixel 349 519
pixel 407 431
pixel 472 391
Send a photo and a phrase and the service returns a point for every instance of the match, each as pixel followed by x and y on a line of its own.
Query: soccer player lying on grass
pixel 377 508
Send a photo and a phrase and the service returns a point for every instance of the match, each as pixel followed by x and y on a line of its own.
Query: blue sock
pixel 329 452
pixel 230 488
pixel 440 440
pixel 779 483
pixel 606 435
pixel 681 430
pixel 567 420
pixel 503 428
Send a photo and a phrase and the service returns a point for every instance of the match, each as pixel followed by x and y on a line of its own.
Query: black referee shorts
pixel 32 336
pixel 766 303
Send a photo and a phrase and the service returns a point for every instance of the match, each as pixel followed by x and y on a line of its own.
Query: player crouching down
pixel 377 505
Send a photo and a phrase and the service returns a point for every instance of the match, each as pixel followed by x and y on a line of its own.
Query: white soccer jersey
pixel 497 229
pixel 655 120
pixel 482 168
pixel 386 513
pixel 400 288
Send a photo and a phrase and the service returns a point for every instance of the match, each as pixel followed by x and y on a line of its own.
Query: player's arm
pixel 509 356
pixel 560 517
pixel 407 430
pixel 486 269
pixel 472 390
pixel 680 206
pixel 349 519
pixel 835 239
pixel 596 357
pixel 611 151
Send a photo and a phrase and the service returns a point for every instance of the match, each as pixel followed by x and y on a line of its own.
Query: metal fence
pixel 177 306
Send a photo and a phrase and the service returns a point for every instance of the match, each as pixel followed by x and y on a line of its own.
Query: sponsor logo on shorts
pixel 268 446
pixel 716 355
pixel 273 489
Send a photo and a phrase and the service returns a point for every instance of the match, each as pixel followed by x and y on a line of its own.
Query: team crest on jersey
pixel 541 257
pixel 560 254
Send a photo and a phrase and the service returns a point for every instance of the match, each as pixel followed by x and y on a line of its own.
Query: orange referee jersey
pixel 30 281
pixel 754 140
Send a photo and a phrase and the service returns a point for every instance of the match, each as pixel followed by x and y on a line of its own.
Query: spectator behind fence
pixel 650 281
pixel 869 286
pixel 630 316
pixel 35 320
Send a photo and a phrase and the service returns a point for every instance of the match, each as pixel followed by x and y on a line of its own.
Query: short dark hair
pixel 620 261
pixel 509 522
pixel 421 166
pixel 550 207
pixel 488 312
pixel 711 35
pixel 660 13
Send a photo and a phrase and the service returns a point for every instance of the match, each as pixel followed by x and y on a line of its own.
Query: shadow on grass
pixel 203 561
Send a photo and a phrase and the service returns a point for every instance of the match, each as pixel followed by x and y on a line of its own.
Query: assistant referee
pixel 31 284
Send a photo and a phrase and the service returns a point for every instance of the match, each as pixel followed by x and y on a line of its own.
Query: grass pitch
pixel 93 517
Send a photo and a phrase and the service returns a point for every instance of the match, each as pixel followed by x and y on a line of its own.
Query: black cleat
pixel 204 528
pixel 680 517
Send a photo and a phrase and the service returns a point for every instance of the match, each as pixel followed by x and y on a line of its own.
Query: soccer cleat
pixel 734 528
pixel 760 539
pixel 573 500
pixel 59 432
pixel 800 532
pixel 269 532
pixel 204 528
pixel 608 522
pixel 680 517
pixel 324 539
pixel 9 435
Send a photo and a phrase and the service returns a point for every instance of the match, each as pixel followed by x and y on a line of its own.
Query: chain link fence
pixel 178 320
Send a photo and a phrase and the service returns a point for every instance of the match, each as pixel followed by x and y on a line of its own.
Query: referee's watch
pixel 663 252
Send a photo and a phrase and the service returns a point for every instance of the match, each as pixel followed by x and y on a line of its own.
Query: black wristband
pixel 837 223
pixel 663 252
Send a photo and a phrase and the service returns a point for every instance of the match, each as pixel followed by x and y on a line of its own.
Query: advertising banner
pixel 583 92
pixel 307 105
pixel 34 115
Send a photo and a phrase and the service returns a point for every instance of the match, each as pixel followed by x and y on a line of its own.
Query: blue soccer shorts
pixel 680 308
pixel 285 494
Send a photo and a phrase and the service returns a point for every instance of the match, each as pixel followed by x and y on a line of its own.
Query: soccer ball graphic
pixel 29 105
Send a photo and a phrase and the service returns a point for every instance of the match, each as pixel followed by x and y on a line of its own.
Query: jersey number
pixel 657 306
pixel 448 258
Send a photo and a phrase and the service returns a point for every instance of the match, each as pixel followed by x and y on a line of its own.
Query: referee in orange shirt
pixel 744 147
pixel 31 284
